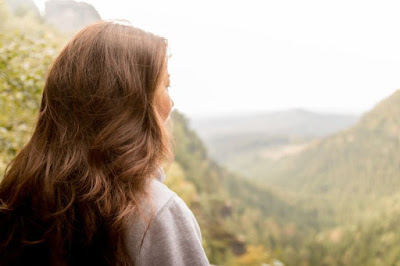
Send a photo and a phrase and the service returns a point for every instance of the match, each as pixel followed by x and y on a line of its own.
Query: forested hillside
pixel 345 188
pixel 362 162
pixel 234 212
pixel 353 179
pixel 27 48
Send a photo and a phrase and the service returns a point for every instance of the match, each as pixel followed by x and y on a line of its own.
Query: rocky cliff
pixel 68 15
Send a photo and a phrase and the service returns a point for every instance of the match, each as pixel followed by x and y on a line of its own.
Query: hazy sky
pixel 337 56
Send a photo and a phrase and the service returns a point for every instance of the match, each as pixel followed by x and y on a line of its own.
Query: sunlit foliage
pixel 24 60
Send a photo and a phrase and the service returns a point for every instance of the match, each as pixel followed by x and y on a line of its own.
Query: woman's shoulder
pixel 160 195
pixel 169 207
pixel 162 205
pixel 172 235
pixel 165 200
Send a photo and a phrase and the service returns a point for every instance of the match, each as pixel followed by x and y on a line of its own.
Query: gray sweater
pixel 172 237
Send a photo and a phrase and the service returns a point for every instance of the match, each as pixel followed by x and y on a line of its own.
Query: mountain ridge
pixel 358 161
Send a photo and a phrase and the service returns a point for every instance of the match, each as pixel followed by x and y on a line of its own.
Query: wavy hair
pixel 99 139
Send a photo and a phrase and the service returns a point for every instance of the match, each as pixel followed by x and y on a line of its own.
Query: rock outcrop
pixel 23 6
pixel 68 15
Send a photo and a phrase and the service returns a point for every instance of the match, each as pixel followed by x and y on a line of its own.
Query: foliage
pixel 177 182
pixel 24 59
pixel 256 255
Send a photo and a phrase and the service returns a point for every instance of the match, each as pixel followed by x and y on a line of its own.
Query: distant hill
pixel 361 161
pixel 246 143
pixel 295 122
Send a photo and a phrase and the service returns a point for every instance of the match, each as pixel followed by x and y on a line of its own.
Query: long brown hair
pixel 99 139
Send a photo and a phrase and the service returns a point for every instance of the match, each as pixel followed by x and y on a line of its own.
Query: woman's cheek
pixel 165 105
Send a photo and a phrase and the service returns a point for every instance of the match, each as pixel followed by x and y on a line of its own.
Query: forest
pixel 335 203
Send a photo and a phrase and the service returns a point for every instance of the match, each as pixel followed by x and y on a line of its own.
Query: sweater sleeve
pixel 173 238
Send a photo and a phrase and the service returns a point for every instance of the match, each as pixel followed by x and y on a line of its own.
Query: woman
pixel 87 188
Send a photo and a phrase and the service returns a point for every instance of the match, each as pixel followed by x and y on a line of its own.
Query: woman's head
pixel 100 137
pixel 108 73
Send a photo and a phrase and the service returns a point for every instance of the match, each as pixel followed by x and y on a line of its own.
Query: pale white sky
pixel 227 55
